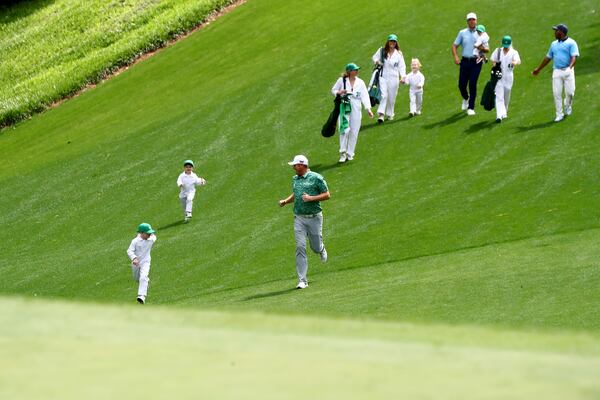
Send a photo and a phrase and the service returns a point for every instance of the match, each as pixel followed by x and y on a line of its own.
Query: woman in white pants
pixel 354 92
pixel 392 73
pixel 508 58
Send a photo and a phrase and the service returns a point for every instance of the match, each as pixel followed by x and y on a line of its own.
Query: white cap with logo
pixel 471 15
pixel 299 159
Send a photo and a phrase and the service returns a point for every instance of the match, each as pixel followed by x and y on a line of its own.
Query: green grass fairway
pixel 126 352
pixel 476 243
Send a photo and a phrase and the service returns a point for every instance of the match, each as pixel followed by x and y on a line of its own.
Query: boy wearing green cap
pixel 508 58
pixel 139 254
pixel 187 182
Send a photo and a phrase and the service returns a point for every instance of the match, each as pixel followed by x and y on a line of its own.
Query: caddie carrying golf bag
pixel 488 98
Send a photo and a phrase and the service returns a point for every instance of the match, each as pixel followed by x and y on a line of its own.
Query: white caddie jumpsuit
pixel 507 62
pixel 140 249
pixel 359 97
pixel 394 69
pixel 187 191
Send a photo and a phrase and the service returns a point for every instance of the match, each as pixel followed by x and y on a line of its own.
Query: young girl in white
pixel 392 74
pixel 416 81
pixel 187 182
pixel 354 94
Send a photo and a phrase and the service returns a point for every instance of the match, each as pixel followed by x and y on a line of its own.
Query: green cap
pixel 352 67
pixel 506 41
pixel 145 228
pixel 186 162
pixel 480 28
pixel 393 37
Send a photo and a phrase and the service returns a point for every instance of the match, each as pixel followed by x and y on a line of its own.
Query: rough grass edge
pixel 118 66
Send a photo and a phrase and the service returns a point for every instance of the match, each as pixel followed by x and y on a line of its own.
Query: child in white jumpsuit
pixel 139 254
pixel 393 72
pixel 482 42
pixel 187 182
pixel 354 88
pixel 416 81
pixel 508 58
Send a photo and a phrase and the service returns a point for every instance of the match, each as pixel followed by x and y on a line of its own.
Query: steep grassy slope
pixel 440 218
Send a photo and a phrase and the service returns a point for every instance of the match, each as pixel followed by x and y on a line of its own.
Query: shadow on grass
pixel 13 10
pixel 375 124
pixel 528 128
pixel 321 168
pixel 450 120
pixel 171 225
pixel 481 126
pixel 269 294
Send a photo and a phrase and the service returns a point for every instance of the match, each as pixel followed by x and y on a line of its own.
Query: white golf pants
pixel 311 227
pixel 389 91
pixel 140 274
pixel 348 140
pixel 416 101
pixel 563 79
pixel 187 203
pixel 502 98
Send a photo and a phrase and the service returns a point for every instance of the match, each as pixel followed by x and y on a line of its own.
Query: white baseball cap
pixel 471 15
pixel 299 159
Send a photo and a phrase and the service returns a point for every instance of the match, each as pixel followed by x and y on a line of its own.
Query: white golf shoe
pixel 568 110
pixel 323 255
pixel 342 157
pixel 349 157
pixel 465 105
pixel 559 118
pixel 302 285
pixel 470 112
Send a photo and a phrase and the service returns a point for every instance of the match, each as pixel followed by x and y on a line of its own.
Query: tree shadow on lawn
pixel 450 120
pixel 269 294
pixel 13 10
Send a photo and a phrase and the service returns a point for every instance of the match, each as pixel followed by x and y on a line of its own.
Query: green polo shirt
pixel 313 184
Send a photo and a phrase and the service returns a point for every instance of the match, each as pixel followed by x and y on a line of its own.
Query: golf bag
pixel 488 98
pixel 330 126
pixel 374 91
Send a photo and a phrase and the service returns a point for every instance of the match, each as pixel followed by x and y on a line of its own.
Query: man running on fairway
pixel 309 189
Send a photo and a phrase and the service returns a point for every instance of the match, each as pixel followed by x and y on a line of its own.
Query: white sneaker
pixel 418 113
pixel 349 157
pixel 141 299
pixel 465 105
pixel 390 118
pixel 323 255
pixel 302 285
pixel 342 157
pixel 470 112
pixel 568 110
pixel 559 118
